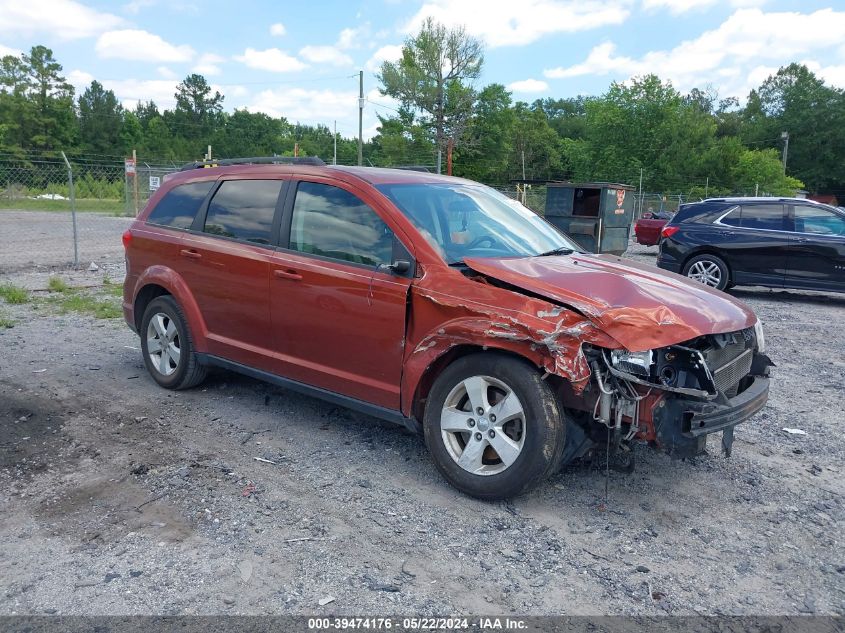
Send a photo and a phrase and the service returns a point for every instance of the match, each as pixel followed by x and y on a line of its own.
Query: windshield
pixel 462 220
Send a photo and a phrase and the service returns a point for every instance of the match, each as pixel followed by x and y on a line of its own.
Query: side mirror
pixel 400 267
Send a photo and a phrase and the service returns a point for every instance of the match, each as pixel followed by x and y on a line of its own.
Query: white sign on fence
pixel 129 165
pixel 155 182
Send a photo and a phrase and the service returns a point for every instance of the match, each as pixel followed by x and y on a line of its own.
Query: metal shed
pixel 597 215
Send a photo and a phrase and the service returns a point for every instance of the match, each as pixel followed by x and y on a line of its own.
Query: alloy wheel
pixel 163 345
pixel 482 424
pixel 707 272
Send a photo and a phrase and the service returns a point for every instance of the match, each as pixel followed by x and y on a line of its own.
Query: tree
pixel 197 114
pixel 431 78
pixel 54 124
pixel 489 137
pixel 100 121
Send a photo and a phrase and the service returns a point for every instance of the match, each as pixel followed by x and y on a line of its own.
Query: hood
pixel 640 306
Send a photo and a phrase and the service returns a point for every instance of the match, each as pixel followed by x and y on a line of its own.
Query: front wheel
pixel 709 270
pixel 493 426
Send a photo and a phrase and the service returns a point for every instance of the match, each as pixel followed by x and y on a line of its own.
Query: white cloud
pixel 508 23
pixel 135 44
pixel 277 29
pixel 136 6
pixel 5 50
pixel 354 37
pixel 165 72
pixel 80 80
pixel 208 64
pixel 528 85
pixel 325 55
pixel 131 91
pixel 389 53
pixel 731 56
pixel 64 19
pixel 272 60
pixel 682 6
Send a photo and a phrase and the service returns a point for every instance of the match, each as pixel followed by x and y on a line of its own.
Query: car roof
pixel 747 199
pixel 372 175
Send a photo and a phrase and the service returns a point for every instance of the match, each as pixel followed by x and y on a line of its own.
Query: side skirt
pixel 376 411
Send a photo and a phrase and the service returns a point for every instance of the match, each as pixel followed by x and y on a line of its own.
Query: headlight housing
pixel 758 335
pixel 638 363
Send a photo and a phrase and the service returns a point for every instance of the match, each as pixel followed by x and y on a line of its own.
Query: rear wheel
pixel 709 270
pixel 167 346
pixel 493 426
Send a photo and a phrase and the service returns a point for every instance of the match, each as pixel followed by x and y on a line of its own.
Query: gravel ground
pixel 118 497
pixel 43 239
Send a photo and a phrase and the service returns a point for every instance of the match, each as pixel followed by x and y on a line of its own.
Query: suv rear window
pixel 757 216
pixel 179 206
pixel 244 210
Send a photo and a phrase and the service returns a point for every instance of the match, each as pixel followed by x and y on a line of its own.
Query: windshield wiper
pixel 562 250
pixel 457 264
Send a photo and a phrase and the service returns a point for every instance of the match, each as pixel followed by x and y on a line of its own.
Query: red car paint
pixel 647 231
pixel 379 338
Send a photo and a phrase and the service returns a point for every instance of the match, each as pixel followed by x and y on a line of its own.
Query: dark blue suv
pixel 775 242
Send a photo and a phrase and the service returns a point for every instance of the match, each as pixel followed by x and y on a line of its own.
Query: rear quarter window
pixel 179 206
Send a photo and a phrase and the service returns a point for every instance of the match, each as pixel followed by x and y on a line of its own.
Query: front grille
pixel 727 376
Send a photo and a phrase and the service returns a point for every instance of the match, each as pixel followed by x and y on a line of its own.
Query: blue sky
pixel 300 60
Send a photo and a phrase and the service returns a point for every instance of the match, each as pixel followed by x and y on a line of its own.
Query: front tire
pixel 167 346
pixel 493 426
pixel 709 270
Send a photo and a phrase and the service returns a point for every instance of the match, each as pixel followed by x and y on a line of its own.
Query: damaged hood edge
pixel 639 306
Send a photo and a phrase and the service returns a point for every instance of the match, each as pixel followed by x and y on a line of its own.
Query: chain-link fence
pixel 59 211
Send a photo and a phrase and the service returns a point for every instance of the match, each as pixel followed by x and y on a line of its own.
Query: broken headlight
pixel 758 334
pixel 637 363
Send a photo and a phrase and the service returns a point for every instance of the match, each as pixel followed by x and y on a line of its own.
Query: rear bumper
pixel 129 316
pixel 667 262
pixel 683 425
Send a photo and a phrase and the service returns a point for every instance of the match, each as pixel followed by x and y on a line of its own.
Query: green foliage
pixel 6 322
pixel 431 78
pixel 13 294
pixel 100 306
pixel 57 284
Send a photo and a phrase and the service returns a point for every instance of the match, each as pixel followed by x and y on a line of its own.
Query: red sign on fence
pixel 129 165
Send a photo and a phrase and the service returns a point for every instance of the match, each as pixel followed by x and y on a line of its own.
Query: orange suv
pixel 440 304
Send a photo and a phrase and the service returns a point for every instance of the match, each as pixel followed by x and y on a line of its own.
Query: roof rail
pixel 255 160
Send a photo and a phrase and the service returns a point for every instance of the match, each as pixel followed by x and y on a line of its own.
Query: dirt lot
pixel 118 497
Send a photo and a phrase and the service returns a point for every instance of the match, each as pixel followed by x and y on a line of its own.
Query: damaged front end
pixel 675 396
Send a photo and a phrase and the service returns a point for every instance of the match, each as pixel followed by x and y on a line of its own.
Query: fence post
pixel 72 210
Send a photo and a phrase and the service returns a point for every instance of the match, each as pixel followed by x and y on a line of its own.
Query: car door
pixel 816 255
pixel 227 268
pixel 337 310
pixel 754 240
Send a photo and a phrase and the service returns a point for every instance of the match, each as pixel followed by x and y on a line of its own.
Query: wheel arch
pixel 158 281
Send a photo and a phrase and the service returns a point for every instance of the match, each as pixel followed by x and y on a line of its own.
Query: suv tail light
pixel 127 237
pixel 669 231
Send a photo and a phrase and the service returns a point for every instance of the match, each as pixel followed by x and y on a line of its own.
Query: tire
pixel 180 372
pixel 709 270
pixel 530 432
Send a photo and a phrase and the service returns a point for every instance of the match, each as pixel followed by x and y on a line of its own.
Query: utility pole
pixel 640 190
pixel 523 166
pixel 449 149
pixel 361 118
pixel 785 137
pixel 334 159
pixel 706 187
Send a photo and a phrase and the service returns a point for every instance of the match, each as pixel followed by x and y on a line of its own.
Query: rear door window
pixel 331 222
pixel 763 216
pixel 244 210
pixel 179 206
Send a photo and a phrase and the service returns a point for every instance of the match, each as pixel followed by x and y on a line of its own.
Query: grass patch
pixel 6 322
pixel 97 205
pixel 92 305
pixel 57 284
pixel 14 294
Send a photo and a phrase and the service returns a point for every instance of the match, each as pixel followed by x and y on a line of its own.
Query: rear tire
pixel 709 270
pixel 493 426
pixel 167 346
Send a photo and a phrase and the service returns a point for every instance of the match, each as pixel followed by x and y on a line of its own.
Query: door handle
pixel 190 254
pixel 287 274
